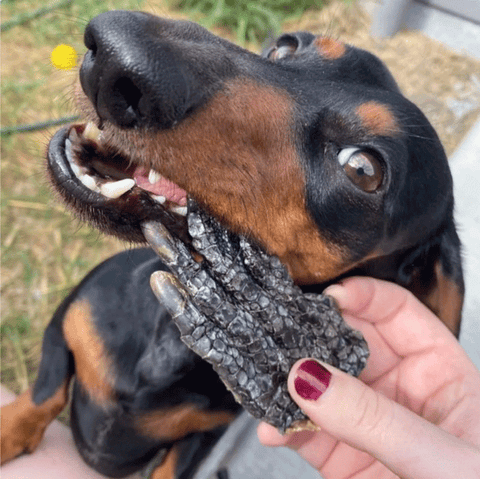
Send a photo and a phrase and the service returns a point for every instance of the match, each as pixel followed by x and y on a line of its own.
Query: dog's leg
pixel 24 420
pixel 168 468
pixel 183 459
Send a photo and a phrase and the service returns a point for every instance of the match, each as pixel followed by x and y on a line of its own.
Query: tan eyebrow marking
pixel 330 48
pixel 377 119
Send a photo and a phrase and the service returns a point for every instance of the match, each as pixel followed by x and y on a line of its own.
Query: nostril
pixel 122 82
pixel 128 93
pixel 89 41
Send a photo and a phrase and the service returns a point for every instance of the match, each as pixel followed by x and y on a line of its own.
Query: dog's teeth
pixel 68 150
pixel 73 135
pixel 116 189
pixel 92 132
pixel 154 176
pixel 159 199
pixel 77 171
pixel 179 210
pixel 89 182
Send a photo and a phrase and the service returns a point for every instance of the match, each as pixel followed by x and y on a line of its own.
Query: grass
pixel 45 252
pixel 251 21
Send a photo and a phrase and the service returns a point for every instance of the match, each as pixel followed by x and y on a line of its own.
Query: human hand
pixel 414 412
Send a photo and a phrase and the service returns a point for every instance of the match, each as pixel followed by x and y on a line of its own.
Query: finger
pixel 223 254
pixel 405 324
pixel 267 270
pixel 212 241
pixel 316 447
pixel 355 414
pixel 271 436
pixel 228 258
pixel 173 296
pixel 195 328
pixel 171 293
pixel 161 241
pixel 176 256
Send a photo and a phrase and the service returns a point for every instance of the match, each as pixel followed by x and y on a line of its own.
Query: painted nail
pixel 312 380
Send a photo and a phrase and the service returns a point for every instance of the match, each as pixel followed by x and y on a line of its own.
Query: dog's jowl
pixel 309 150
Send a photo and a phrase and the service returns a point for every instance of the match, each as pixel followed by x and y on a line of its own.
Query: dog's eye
pixel 362 168
pixel 281 52
pixel 286 46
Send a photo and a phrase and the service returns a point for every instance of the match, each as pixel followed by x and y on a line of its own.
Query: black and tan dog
pixel 309 149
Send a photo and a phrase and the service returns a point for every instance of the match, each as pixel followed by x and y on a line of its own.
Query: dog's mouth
pixel 109 190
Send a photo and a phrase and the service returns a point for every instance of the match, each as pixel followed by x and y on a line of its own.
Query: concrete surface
pixel 458 34
pixel 465 165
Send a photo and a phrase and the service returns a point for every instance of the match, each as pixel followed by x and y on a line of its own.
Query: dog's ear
pixel 433 272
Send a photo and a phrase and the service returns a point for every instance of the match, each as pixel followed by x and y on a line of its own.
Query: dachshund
pixel 309 149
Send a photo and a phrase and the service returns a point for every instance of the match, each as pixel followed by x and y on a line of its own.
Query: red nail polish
pixel 312 380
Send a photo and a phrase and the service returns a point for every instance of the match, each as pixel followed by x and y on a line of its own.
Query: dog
pixel 309 149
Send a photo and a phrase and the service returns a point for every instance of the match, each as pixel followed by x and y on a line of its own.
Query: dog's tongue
pixel 160 186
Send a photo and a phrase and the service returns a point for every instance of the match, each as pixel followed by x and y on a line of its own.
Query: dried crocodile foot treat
pixel 240 311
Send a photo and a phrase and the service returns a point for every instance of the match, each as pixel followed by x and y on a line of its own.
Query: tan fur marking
pixel 237 156
pixel 175 423
pixel 330 48
pixel 24 423
pixel 377 119
pixel 445 300
pixel 168 467
pixel 94 368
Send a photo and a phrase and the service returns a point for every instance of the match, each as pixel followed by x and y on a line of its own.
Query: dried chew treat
pixel 240 311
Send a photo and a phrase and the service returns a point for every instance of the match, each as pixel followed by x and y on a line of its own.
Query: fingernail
pixel 312 380
pixel 337 292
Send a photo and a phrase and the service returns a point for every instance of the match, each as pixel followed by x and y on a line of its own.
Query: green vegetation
pixel 44 251
pixel 251 21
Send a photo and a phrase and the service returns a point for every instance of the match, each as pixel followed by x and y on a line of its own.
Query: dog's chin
pixel 108 190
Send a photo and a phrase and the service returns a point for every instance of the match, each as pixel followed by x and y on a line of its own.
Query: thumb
pixel 353 413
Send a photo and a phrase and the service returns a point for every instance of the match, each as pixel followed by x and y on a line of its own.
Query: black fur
pixel 145 77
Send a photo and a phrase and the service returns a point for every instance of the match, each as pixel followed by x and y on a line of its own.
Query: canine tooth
pixel 73 135
pixel 90 183
pixel 68 150
pixel 180 210
pixel 115 189
pixel 77 171
pixel 159 199
pixel 91 131
pixel 154 176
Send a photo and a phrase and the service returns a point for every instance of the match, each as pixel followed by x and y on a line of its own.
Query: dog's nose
pixel 131 75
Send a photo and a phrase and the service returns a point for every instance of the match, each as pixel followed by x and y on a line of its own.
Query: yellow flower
pixel 64 57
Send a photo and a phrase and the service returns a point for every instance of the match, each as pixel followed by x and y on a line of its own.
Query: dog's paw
pixel 21 430
pixel 240 311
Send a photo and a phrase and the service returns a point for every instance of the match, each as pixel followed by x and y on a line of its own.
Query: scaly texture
pixel 240 311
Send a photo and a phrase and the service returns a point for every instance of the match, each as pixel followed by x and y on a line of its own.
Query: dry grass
pixel 431 75
pixel 44 251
